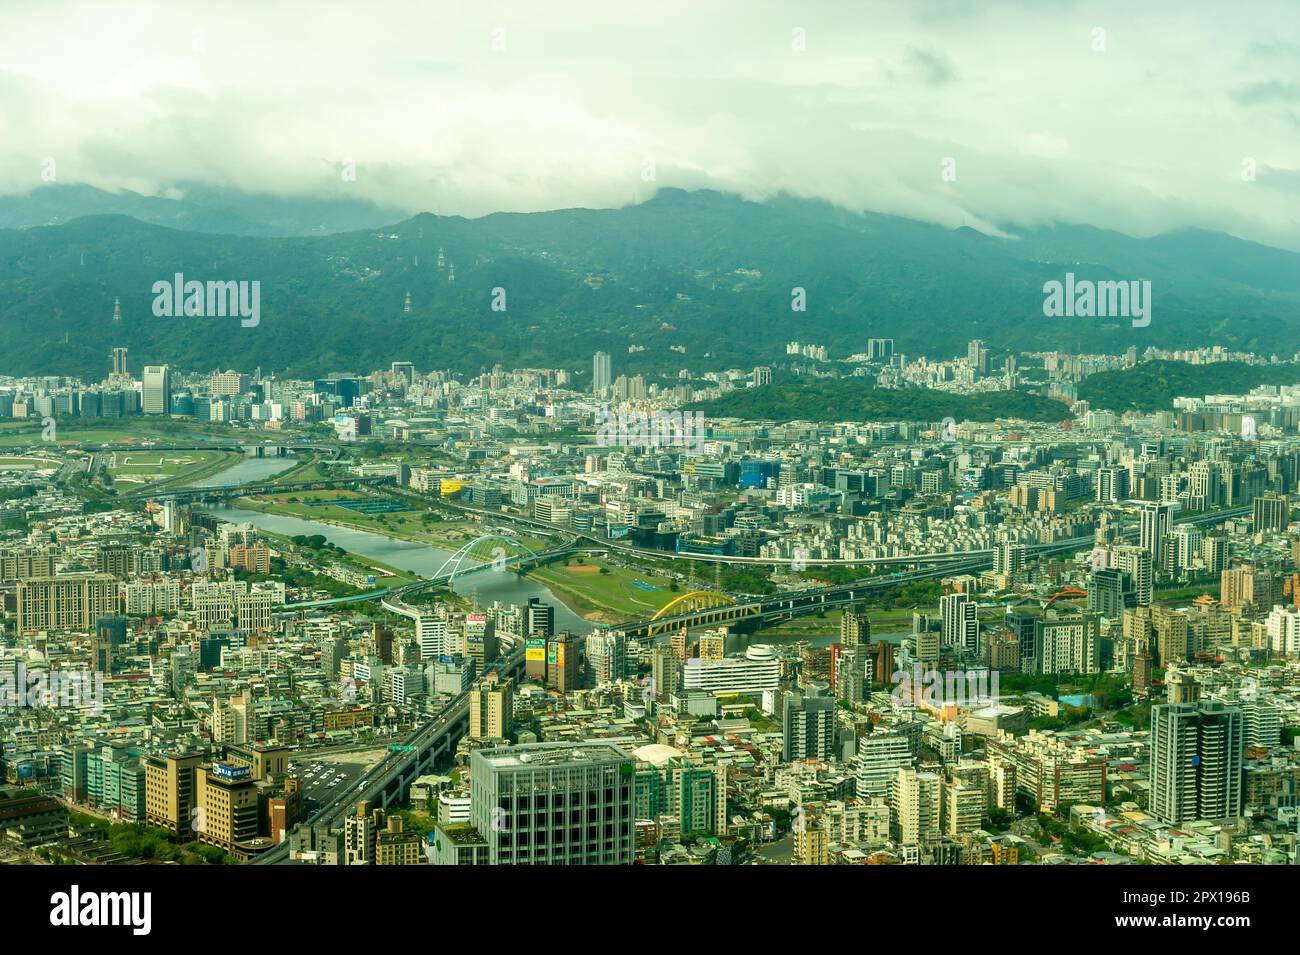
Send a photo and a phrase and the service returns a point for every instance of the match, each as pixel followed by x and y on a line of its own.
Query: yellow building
pixel 169 801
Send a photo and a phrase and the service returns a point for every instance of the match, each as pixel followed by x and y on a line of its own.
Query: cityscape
pixel 626 491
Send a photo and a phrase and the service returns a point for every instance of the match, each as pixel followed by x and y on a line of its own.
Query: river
pixel 508 588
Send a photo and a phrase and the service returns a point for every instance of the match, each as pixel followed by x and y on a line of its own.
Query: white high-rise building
pixel 600 373
pixel 1283 628
pixel 156 396
pixel 880 755
pixel 916 801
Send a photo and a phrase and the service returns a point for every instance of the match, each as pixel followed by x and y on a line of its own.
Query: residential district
pixel 411 618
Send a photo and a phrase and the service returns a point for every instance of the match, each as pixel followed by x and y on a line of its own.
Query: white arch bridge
pixel 472 558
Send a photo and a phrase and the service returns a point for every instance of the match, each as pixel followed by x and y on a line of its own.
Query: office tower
pixel 1068 643
pixel 491 708
pixel 759 670
pixel 119 362
pixel 977 356
pixel 960 629
pixel 1136 562
pixel 1272 513
pixel 226 798
pixel 808 724
pixel 880 754
pixel 916 806
pixel 1023 624
pixel 600 373
pixel 1157 521
pixel 855 628
pixel 69 602
pixel 432 633
pixel 1110 593
pixel 554 803
pixel 481 643
pixel 1196 761
pixel 156 395
pixel 562 660
pixel 539 618
pixel 169 791
pixel 539 627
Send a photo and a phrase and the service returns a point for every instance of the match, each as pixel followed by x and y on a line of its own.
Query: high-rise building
pixel 1272 512
pixel 562 661
pixel 1156 523
pixel 226 799
pixel 855 628
pixel 491 708
pixel 916 807
pixel 600 373
pixel 554 803
pixel 1136 562
pixel 119 362
pixel 1196 761
pixel 68 602
pixel 808 724
pixel 880 754
pixel 169 791
pixel 156 394
pixel 960 628
pixel 606 657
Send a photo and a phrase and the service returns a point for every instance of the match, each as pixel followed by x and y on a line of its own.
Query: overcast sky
pixel 472 107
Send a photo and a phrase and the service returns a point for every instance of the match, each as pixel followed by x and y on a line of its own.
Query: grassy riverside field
pixel 607 597
pixel 137 470
pixel 133 430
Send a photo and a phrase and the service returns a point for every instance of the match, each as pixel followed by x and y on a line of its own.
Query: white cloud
pixel 1146 136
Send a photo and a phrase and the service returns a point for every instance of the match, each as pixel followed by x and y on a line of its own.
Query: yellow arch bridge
pixel 700 608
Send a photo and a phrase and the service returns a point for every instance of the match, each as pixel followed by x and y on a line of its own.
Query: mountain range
pixel 700 280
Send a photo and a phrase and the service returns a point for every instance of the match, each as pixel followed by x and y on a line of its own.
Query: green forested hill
pixel 708 272
pixel 856 399
pixel 1153 385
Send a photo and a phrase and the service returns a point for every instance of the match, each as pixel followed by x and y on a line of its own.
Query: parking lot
pixel 324 779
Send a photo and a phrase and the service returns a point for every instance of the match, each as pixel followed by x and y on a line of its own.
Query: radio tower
pixel 117 310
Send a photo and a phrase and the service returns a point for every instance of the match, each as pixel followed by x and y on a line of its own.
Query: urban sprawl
pixel 408 617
